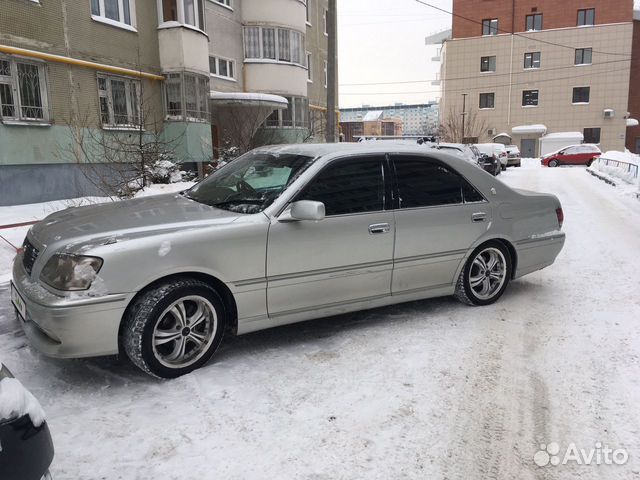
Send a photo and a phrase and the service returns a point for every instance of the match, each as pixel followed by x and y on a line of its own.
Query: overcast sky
pixel 383 41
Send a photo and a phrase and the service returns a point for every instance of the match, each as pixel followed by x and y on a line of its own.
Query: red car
pixel 573 155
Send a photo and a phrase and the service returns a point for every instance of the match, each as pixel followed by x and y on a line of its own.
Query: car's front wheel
pixel 485 276
pixel 174 328
pixel 553 163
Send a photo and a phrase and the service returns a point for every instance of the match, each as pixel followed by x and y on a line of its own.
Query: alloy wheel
pixel 488 273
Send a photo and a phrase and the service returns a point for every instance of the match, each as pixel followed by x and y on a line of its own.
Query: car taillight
pixel 560 215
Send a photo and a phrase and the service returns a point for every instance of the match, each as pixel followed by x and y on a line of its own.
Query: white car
pixel 496 150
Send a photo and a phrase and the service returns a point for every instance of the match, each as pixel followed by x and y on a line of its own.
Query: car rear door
pixel 439 215
pixel 346 257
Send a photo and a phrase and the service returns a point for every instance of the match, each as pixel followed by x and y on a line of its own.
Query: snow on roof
pixel 503 134
pixel 249 99
pixel 632 122
pixel 373 116
pixel 524 129
pixel 565 136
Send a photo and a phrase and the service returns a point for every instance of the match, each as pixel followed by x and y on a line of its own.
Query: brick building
pixel 533 67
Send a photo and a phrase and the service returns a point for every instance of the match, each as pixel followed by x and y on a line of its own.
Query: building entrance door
pixel 528 148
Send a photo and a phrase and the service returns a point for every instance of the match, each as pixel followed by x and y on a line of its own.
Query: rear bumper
pixel 68 327
pixel 513 161
pixel 537 253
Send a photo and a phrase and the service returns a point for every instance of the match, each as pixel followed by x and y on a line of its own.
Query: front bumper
pixel 513 161
pixel 68 327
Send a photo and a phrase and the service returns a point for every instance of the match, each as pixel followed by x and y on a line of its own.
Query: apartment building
pixel 373 124
pixel 529 68
pixel 178 67
pixel 418 119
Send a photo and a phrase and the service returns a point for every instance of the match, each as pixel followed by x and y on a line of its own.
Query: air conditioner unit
pixel 608 113
pixel 491 131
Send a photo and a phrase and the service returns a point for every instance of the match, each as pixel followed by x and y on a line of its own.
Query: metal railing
pixel 624 166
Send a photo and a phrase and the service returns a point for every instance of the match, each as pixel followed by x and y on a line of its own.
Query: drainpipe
pixel 332 14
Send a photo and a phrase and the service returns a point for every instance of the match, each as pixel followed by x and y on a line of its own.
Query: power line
pixel 517 34
pixel 486 87
pixel 524 72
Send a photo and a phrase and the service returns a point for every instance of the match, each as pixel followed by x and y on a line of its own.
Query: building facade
pixel 373 124
pixel 96 68
pixel 420 119
pixel 533 67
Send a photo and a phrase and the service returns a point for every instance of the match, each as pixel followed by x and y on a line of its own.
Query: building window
pixel 185 12
pixel 487 100
pixel 581 94
pixel 586 17
pixel 119 99
pixel 530 98
pixel 592 135
pixel 584 56
pixel 278 44
pixel 325 21
pixel 295 115
pixel 226 3
pixel 222 67
pixel 490 26
pixel 309 67
pixel 307 8
pixel 532 60
pixel 23 94
pixel 187 97
pixel 534 22
pixel 326 74
pixel 114 11
pixel 488 64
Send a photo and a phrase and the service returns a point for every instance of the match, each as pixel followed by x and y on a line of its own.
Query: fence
pixel 623 166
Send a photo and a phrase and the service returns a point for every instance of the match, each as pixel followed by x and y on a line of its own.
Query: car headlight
pixel 70 272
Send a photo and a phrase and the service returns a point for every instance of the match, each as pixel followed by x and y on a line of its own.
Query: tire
pixel 589 163
pixel 554 163
pixel 503 167
pixel 468 293
pixel 518 165
pixel 174 328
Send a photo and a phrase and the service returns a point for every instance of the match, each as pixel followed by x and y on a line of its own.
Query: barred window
pixel 119 99
pixel 278 44
pixel 187 97
pixel 23 94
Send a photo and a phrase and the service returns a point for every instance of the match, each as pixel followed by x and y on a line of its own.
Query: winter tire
pixel 553 163
pixel 485 276
pixel 174 328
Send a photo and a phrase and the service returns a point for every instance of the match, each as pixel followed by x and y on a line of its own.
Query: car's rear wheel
pixel 590 162
pixel 553 163
pixel 485 276
pixel 174 328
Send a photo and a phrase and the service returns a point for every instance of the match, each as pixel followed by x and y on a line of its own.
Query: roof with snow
pixel 373 116
pixel 525 129
pixel 248 99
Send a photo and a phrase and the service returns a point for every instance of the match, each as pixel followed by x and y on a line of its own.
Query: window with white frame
pixel 325 12
pixel 187 97
pixel 309 67
pixel 222 67
pixel 119 99
pixel 277 44
pixel 23 92
pixel 307 8
pixel 114 11
pixel 296 115
pixel 326 74
pixel 185 12
pixel 226 3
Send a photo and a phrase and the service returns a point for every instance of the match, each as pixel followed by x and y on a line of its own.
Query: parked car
pixel 472 154
pixel 26 448
pixel 574 155
pixel 514 158
pixel 330 229
pixel 497 150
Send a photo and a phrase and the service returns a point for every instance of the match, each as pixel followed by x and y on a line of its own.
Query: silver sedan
pixel 280 235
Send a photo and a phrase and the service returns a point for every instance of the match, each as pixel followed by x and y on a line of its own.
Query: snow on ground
pixel 431 389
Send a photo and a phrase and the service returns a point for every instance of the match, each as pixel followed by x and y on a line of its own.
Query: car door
pixel 346 257
pixel 439 215
pixel 572 156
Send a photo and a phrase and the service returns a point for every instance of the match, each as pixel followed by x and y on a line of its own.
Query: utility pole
pixel 464 114
pixel 332 31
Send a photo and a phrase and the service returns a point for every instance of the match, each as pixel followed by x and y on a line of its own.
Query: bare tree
pixel 451 127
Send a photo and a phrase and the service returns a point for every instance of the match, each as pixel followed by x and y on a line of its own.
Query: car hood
pixel 130 218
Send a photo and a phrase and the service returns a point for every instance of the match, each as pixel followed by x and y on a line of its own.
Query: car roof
pixel 338 149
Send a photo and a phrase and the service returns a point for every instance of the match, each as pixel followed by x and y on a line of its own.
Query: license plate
pixel 18 302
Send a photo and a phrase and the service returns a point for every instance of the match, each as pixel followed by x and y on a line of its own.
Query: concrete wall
pixel 555 14
pixel 608 78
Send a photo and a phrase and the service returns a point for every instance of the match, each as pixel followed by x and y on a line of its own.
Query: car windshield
pixel 250 183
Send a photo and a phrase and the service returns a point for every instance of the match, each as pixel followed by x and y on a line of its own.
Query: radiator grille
pixel 30 255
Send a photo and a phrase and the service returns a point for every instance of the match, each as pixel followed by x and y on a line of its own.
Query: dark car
pixel 26 448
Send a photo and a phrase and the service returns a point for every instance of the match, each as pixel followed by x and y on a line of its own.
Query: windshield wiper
pixel 251 201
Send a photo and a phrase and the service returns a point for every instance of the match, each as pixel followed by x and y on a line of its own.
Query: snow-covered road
pixel 428 390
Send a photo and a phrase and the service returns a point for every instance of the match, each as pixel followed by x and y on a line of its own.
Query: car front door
pixel 439 215
pixel 346 257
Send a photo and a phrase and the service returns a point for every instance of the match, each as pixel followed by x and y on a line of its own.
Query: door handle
pixel 479 217
pixel 379 228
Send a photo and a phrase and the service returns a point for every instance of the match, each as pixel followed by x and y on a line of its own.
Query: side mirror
pixel 304 210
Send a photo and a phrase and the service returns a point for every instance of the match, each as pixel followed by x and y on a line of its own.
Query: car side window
pixel 349 186
pixel 424 183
